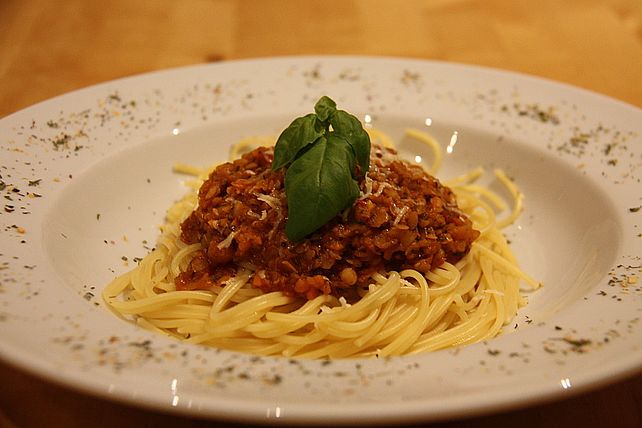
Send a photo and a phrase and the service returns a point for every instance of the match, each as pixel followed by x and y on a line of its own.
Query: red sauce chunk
pixel 404 219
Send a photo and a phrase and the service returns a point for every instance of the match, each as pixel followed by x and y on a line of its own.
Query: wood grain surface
pixel 50 47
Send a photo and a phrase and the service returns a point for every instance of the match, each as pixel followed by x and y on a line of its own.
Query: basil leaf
pixel 301 132
pixel 320 179
pixel 324 108
pixel 319 185
pixel 347 126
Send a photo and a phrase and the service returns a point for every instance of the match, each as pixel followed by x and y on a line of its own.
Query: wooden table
pixel 49 47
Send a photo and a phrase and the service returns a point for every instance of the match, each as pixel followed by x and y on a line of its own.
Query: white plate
pixel 87 177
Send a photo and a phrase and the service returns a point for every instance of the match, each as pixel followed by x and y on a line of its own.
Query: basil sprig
pixel 321 151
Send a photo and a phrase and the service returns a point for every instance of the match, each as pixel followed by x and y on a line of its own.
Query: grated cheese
pixel 227 241
pixel 400 213
pixel 270 200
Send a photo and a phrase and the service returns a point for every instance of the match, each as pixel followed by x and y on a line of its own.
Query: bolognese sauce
pixel 403 219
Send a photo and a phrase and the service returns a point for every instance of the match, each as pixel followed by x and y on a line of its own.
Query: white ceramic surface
pixel 86 178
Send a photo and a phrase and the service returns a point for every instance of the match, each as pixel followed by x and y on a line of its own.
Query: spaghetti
pixel 398 313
